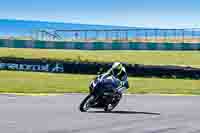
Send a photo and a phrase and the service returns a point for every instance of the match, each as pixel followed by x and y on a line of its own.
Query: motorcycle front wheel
pixel 85 104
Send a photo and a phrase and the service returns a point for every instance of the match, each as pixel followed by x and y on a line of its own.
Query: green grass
pixel 29 82
pixel 181 58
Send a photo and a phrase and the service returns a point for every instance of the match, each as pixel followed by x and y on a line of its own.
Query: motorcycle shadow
pixel 125 112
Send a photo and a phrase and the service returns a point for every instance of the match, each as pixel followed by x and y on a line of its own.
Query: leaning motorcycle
pixel 102 94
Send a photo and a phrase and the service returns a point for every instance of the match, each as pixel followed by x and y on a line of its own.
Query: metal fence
pixel 134 35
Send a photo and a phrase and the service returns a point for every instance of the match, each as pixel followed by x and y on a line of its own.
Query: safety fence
pixel 190 35
pixel 10 43
pixel 53 66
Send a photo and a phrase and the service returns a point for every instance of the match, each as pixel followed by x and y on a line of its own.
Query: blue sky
pixel 140 13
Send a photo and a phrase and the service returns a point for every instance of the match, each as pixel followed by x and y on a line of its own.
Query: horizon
pixel 60 22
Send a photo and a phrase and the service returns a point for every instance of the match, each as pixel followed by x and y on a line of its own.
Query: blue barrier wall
pixel 97 45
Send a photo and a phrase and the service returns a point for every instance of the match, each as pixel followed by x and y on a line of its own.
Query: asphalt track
pixel 135 114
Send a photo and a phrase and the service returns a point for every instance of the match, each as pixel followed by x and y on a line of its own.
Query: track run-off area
pixel 135 114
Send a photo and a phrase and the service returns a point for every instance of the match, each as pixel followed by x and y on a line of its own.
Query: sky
pixel 134 13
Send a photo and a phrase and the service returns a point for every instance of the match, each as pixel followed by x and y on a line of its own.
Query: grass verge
pixel 29 82
pixel 180 58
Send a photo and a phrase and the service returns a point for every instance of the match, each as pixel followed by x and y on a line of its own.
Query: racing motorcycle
pixel 102 94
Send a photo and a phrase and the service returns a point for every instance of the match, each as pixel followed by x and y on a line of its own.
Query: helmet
pixel 117 69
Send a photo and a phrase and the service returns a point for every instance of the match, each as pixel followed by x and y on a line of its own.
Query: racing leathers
pixel 121 77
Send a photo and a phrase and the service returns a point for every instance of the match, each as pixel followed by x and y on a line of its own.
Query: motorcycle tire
pixel 110 107
pixel 84 104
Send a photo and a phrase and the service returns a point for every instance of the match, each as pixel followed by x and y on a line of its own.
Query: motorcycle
pixel 102 94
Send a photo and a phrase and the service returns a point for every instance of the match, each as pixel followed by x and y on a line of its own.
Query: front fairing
pixel 94 84
pixel 101 83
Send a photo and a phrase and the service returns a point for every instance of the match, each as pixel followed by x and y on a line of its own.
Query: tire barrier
pixel 97 45
pixel 53 66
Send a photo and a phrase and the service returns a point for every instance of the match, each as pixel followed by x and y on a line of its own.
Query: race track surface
pixel 135 114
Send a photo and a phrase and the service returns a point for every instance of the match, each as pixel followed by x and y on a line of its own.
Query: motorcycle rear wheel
pixel 110 107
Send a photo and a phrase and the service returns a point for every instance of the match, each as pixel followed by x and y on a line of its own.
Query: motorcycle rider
pixel 119 72
pixel 110 86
